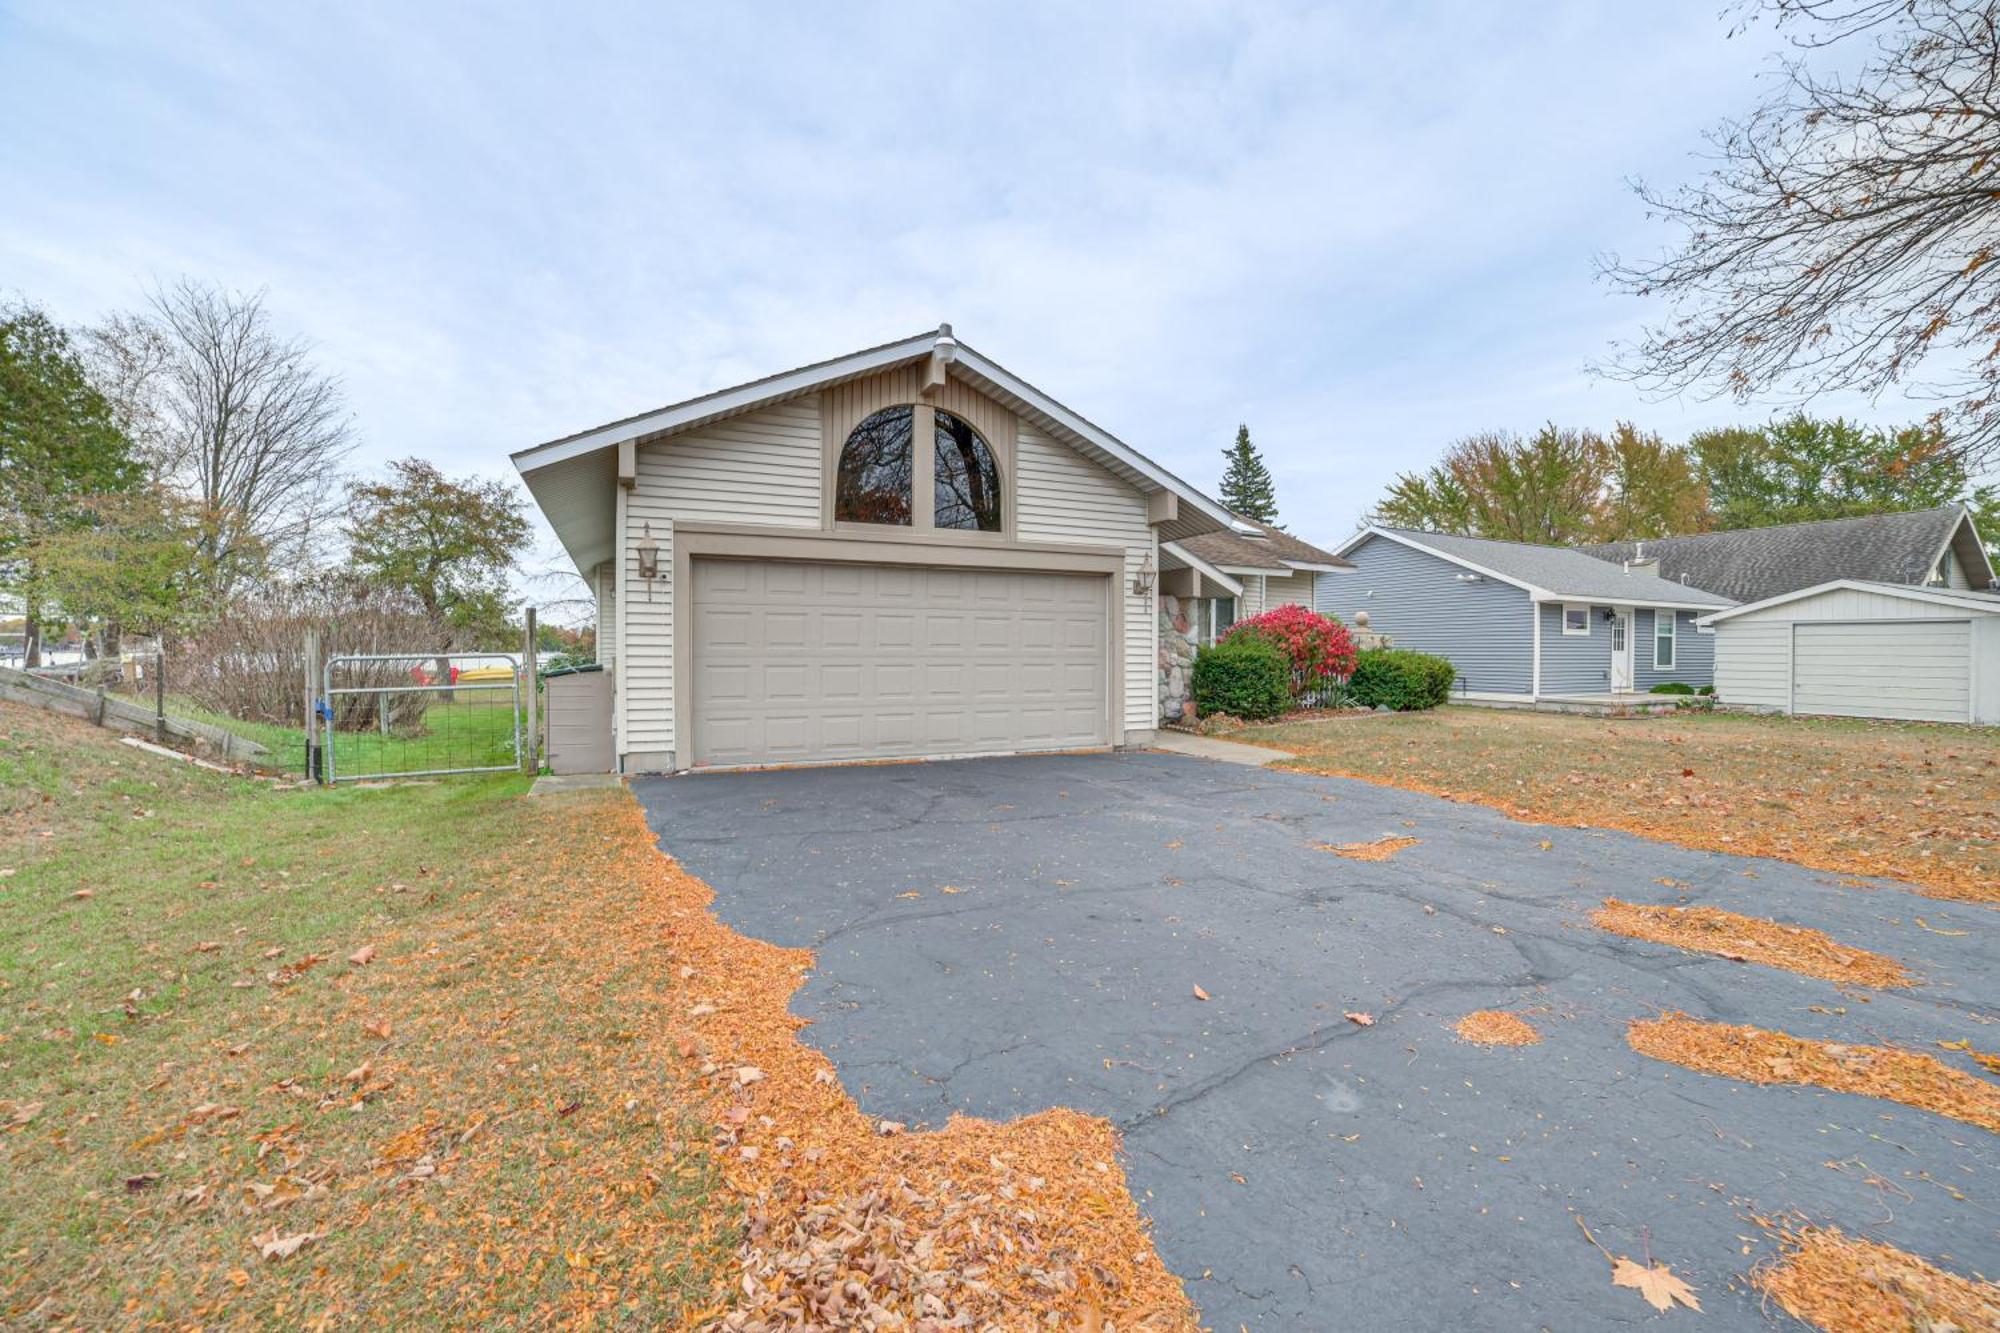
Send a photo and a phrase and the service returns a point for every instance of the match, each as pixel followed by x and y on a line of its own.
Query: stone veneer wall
pixel 1176 661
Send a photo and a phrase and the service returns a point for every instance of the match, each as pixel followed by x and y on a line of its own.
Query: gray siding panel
pixel 1694 653
pixel 1574 663
pixel 1417 600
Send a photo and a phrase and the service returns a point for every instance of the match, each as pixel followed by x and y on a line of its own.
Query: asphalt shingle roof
pixel 1565 572
pixel 1231 548
pixel 1750 564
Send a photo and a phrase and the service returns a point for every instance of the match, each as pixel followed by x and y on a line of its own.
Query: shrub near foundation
pixel 1401 679
pixel 1245 678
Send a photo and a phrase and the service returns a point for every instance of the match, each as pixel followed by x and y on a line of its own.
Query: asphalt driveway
pixel 1302 1171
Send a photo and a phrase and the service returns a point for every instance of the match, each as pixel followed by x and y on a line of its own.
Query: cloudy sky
pixel 1363 229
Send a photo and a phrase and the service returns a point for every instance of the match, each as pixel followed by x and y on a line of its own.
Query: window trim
pixel 1569 633
pixel 992 454
pixel 1672 638
pixel 843 407
pixel 840 461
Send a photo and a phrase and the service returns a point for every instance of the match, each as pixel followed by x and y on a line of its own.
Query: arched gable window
pixel 967 484
pixel 873 482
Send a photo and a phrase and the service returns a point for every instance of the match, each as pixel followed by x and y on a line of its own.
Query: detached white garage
pixel 1861 649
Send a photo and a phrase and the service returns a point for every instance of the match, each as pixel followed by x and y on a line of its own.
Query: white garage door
pixel 1917 669
pixel 796 662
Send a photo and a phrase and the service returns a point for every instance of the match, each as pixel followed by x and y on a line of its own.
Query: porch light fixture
pixel 1142 581
pixel 649 555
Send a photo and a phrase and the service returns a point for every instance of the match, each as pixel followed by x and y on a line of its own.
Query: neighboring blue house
pixel 1528 622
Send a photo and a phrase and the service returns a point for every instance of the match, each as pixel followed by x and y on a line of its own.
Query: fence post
pixel 160 696
pixel 313 770
pixel 531 673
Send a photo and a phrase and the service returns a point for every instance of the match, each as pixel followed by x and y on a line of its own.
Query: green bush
pixel 1243 678
pixel 1401 679
pixel 1673 687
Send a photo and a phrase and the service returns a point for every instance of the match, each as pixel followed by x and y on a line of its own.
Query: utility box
pixel 577 702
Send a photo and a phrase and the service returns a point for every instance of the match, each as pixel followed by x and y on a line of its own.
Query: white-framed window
pixel 1576 619
pixel 1663 639
pixel 1216 616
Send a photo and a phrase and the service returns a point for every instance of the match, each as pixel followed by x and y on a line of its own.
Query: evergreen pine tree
pixel 1246 483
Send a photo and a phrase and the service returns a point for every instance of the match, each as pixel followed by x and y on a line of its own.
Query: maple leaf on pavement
pixel 1657 1284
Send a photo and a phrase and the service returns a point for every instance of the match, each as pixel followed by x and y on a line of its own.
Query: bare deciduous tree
pixel 1846 233
pixel 232 414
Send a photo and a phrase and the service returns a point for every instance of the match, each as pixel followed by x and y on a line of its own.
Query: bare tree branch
pixel 230 413
pixel 1846 233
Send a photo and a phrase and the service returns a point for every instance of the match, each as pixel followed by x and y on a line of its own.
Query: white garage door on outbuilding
pixel 807 662
pixel 1860 649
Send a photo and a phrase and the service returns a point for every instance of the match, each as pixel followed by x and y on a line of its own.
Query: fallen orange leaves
pixel 1751 939
pixel 1837 1282
pixel 988 1223
pixel 1496 1027
pixel 1758 1056
pixel 1379 850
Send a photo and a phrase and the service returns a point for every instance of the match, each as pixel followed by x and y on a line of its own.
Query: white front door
pixel 1621 652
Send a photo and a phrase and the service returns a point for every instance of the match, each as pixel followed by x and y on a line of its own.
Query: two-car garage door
pixel 797 662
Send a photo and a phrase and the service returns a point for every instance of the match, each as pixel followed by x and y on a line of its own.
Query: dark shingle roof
pixel 1750 564
pixel 1276 547
pixel 1565 572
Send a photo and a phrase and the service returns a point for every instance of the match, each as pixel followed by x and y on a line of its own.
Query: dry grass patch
pixel 1496 1027
pixel 1758 1056
pixel 1908 801
pixel 1379 850
pixel 1751 939
pixel 1844 1285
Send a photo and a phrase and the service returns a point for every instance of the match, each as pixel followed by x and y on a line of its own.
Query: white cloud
pixel 1363 230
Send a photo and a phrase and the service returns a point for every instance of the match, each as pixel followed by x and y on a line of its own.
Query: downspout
pixel 1535 625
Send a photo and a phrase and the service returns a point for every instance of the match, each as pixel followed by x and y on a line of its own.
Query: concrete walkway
pixel 1214 747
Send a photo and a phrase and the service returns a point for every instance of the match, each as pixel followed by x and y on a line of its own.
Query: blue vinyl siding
pixel 1575 663
pixel 1694 653
pixel 1418 601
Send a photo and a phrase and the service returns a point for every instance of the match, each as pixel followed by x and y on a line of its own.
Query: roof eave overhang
pixel 1311 567
pixel 726 402
pixel 1214 573
pixel 1198 513
pixel 1955 598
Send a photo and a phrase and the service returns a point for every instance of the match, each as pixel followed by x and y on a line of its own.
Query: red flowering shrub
pixel 1317 646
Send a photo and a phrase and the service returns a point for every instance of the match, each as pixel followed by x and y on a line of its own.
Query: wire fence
pixel 410 715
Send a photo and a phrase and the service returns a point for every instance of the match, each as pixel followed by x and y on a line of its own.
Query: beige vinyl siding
pixel 760 468
pixel 605 589
pixel 1064 497
pixel 1753 663
pixel 1293 590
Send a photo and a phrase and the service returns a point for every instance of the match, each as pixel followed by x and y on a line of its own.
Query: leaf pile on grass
pixel 1907 801
pixel 1759 1056
pixel 1379 850
pixel 852 1220
pixel 1752 939
pixel 1847 1285
pixel 1496 1027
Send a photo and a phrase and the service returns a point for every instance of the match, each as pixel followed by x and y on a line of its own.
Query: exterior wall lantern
pixel 649 555
pixel 1142 580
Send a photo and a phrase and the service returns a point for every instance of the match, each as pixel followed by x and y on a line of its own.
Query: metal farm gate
pixel 410 715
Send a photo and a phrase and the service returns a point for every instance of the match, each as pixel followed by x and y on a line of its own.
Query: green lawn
pixel 191 1058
